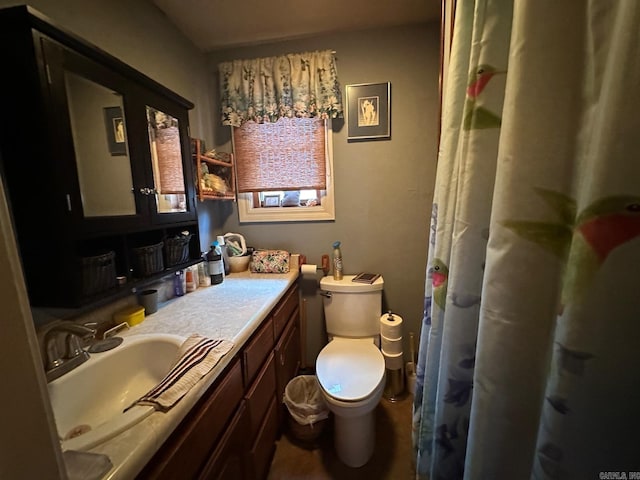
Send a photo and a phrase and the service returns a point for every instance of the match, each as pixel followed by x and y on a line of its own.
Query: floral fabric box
pixel 269 261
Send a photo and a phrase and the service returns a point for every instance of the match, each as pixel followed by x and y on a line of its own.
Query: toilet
pixel 351 368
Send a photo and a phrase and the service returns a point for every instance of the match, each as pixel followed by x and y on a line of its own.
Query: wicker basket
pixel 148 260
pixel 177 249
pixel 98 273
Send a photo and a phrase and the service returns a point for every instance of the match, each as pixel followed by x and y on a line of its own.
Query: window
pixel 285 170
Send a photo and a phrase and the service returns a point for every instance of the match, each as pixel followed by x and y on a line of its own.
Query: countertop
pixel 231 310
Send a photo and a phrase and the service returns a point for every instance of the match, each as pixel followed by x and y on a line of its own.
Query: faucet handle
pixel 73 346
pixel 53 357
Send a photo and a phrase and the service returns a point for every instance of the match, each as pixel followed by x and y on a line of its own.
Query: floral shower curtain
pixel 265 89
pixel 529 364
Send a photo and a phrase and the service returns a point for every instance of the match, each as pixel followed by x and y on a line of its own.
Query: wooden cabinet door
pixel 260 395
pixel 189 447
pixel 288 356
pixel 229 461
pixel 264 447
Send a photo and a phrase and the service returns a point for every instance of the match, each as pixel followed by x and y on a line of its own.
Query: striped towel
pixel 196 357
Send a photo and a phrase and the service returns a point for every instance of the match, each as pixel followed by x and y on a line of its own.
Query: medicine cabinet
pixel 96 160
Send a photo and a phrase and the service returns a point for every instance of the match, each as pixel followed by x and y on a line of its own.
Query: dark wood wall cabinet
pixel 231 432
pixel 96 162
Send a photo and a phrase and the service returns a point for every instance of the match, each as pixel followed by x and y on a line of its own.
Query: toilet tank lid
pixel 346 284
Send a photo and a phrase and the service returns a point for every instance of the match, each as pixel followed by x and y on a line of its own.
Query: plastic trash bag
pixel 304 400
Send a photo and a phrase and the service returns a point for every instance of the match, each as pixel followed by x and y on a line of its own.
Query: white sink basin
pixel 89 402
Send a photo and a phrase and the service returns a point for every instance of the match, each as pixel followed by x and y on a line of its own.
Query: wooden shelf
pixel 223 170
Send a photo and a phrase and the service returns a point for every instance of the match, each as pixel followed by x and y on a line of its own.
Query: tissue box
pixel 269 261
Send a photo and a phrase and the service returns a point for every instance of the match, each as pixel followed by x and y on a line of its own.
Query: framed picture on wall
pixel 272 200
pixel 116 136
pixel 369 111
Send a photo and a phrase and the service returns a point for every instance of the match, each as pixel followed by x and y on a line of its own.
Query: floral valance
pixel 266 89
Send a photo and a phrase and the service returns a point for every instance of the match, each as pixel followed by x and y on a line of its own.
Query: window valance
pixel 263 90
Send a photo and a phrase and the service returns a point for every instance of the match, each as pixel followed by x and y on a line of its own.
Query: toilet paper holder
pixel 325 265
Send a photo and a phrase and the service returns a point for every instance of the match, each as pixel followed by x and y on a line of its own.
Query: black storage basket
pixel 148 260
pixel 177 249
pixel 98 273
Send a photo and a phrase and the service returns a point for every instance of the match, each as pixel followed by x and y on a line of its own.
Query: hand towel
pixel 196 357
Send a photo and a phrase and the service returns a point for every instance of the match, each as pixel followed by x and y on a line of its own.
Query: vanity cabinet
pixel 96 161
pixel 231 432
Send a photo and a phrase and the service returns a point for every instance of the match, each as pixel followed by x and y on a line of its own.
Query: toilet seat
pixel 350 369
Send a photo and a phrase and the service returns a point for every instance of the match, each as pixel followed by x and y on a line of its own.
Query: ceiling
pixel 219 24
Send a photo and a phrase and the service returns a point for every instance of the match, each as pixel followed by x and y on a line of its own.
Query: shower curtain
pixel 529 358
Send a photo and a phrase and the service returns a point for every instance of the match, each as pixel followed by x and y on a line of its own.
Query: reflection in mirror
pixel 166 154
pixel 100 143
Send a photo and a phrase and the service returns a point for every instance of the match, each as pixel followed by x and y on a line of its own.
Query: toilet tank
pixel 353 309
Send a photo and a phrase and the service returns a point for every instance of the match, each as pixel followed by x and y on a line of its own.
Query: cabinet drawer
pixel 260 394
pixel 287 355
pixel 257 350
pixel 228 460
pixel 283 311
pixel 186 451
pixel 265 445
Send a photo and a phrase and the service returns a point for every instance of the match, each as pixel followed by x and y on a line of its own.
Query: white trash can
pixel 308 412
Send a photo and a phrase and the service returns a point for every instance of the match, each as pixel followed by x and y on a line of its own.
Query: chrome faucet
pixel 56 364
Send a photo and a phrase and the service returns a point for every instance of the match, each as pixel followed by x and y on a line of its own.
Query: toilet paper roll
pixel 393 361
pixel 308 270
pixel 391 345
pixel 391 326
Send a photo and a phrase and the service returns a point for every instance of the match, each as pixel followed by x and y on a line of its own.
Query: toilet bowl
pixel 351 374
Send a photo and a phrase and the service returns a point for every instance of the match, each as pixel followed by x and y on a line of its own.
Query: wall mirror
pixel 100 142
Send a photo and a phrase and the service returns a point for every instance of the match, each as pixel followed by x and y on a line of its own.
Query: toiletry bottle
pixel 178 287
pixel 225 255
pixel 191 283
pixel 204 280
pixel 337 261
pixel 216 268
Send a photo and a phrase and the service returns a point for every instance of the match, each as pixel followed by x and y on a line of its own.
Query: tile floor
pixel 392 458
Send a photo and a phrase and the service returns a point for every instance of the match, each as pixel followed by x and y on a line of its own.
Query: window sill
pixel 247 213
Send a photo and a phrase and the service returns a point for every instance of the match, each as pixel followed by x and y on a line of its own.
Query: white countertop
pixel 231 310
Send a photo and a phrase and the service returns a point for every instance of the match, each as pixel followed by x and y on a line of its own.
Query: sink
pixel 89 402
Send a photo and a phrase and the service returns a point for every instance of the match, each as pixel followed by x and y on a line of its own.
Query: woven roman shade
pixel 285 155
pixel 171 176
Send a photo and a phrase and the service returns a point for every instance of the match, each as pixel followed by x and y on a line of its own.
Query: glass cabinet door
pixel 166 158
pixel 100 142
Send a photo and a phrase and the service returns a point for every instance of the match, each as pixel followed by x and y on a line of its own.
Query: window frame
pixel 247 213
